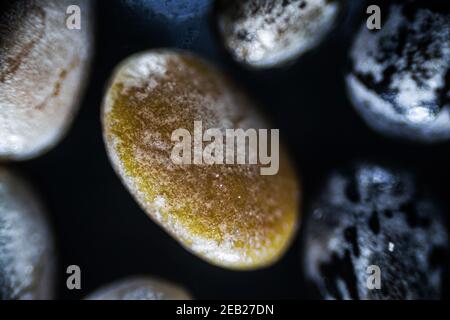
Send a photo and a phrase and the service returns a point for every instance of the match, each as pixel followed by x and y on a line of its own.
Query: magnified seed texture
pixel 399 79
pixel 230 215
pixel 374 234
pixel 44 61
pixel 264 34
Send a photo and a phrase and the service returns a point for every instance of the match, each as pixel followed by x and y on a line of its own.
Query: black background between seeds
pixel 98 225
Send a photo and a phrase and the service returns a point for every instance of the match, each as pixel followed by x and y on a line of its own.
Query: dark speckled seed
pixel 372 215
pixel 399 80
pixel 264 34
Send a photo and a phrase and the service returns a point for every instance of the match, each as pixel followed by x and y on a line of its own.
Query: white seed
pixel 26 244
pixel 43 68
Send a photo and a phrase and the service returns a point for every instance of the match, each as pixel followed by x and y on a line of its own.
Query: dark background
pixel 99 226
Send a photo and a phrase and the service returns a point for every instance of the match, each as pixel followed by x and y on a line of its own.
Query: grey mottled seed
pixel 372 215
pixel 400 75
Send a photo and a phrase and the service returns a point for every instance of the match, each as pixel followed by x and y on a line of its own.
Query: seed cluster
pixel 369 221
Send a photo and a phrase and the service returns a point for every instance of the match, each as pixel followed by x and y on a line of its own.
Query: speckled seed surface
pixel 265 34
pixel 43 68
pixel 26 245
pixel 370 215
pixel 139 288
pixel 229 215
pixel 400 75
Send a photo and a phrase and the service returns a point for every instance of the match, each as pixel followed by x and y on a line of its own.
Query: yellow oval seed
pixel 230 215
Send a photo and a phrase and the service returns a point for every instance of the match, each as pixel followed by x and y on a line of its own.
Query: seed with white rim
pixel 399 79
pixel 264 34
pixel 229 215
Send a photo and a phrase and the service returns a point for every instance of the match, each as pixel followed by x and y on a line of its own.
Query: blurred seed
pixel 181 21
pixel 26 244
pixel 371 215
pixel 140 289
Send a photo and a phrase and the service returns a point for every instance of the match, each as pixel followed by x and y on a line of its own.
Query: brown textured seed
pixel 43 66
pixel 140 288
pixel 26 244
pixel 269 33
pixel 229 215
